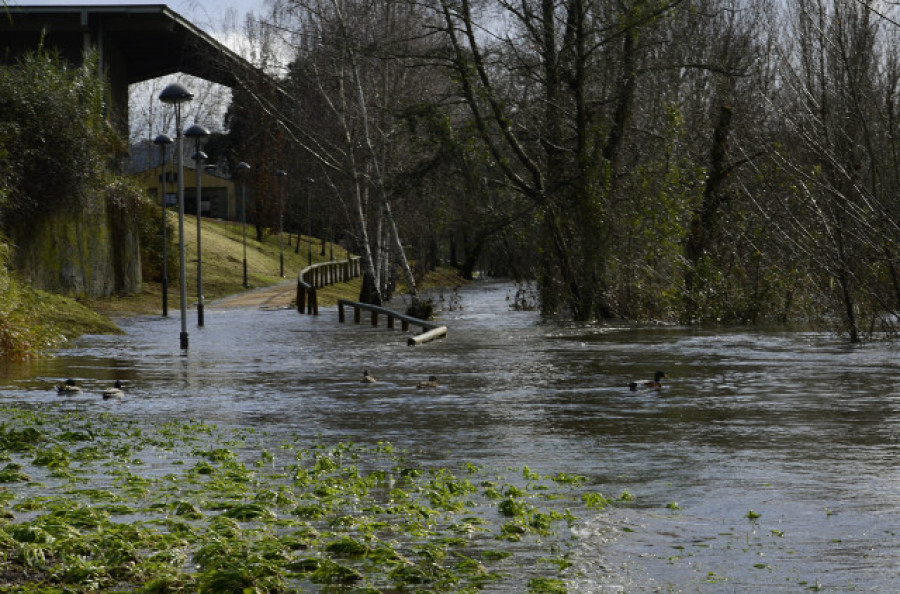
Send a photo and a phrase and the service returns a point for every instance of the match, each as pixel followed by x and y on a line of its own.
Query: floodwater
pixel 769 462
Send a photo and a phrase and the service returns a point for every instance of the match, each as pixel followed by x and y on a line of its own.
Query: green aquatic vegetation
pixel 347 546
pixel 186 509
pixel 216 454
pixel 530 475
pixel 330 572
pixel 82 517
pixel 19 440
pixel 544 585
pixel 311 511
pixel 222 511
pixel 513 491
pixel 594 500
pixel 495 555
pixel 512 508
pixel 512 531
pixel 33 534
pixel 55 457
pixel 75 436
pixel 95 495
pixel 250 511
pixel 569 479
pixel 542 523
pixel 752 515
pixel 12 473
pixel 243 578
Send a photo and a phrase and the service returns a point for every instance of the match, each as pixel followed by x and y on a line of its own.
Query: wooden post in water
pixel 313 302
pixel 340 312
pixel 301 297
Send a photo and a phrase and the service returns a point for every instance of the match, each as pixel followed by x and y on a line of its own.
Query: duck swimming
pixel 114 392
pixel 431 382
pixel 68 388
pixel 655 384
pixel 368 378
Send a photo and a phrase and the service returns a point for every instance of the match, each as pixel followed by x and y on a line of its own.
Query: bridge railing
pixel 430 330
pixel 320 275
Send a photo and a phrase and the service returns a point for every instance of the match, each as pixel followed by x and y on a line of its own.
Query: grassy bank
pixel 35 322
pixel 223 254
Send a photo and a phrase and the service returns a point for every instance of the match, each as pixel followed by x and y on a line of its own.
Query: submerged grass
pixel 103 503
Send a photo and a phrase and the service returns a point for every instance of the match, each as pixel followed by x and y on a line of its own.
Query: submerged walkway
pixel 276 296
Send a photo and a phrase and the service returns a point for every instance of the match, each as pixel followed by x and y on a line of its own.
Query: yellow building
pixel 220 199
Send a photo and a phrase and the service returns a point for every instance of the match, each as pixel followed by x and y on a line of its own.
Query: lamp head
pixel 196 132
pixel 242 166
pixel 199 156
pixel 175 94
pixel 162 140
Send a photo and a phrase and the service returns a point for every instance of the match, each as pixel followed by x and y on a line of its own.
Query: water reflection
pixel 799 427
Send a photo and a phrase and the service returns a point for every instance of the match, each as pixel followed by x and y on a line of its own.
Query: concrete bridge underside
pixel 134 43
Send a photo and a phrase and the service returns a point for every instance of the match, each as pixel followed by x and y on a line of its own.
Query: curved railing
pixel 430 330
pixel 320 275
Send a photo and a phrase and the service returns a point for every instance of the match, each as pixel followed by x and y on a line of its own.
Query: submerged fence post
pixel 313 302
pixel 301 297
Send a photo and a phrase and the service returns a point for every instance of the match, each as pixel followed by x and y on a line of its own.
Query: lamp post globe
pixel 175 94
pixel 198 134
pixel 163 141
pixel 242 169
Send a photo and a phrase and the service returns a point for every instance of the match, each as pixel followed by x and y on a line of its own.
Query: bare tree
pixel 352 74
pixel 840 214
pixel 552 92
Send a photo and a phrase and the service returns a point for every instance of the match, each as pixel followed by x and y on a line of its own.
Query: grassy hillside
pixel 222 247
pixel 34 322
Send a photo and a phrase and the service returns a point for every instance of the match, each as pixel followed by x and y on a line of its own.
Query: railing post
pixel 340 312
pixel 356 311
pixel 390 322
pixel 374 318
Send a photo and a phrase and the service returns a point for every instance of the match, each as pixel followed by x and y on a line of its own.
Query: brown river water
pixel 801 428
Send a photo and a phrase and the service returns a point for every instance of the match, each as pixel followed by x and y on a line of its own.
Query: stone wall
pixel 92 253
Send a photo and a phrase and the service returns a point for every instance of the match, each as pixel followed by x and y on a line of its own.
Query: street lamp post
pixel 198 133
pixel 242 168
pixel 163 141
pixel 309 183
pixel 282 175
pixel 175 94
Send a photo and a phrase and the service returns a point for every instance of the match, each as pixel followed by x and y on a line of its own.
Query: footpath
pixel 272 297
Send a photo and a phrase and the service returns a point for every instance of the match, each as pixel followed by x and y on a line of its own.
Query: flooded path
pixel 769 462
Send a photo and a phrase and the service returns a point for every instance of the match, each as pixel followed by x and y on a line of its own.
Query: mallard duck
pixel 114 392
pixel 368 378
pixel 68 388
pixel 656 384
pixel 431 382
